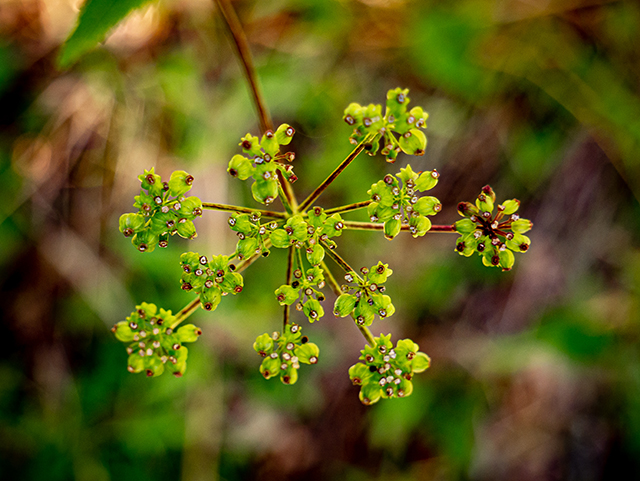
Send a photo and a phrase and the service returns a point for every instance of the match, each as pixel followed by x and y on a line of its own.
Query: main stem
pixel 244 210
pixel 287 308
pixel 244 54
pixel 355 225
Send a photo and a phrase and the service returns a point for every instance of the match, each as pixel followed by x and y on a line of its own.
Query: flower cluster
pixel 367 298
pixel 318 229
pixel 304 285
pixel 153 344
pixel 406 124
pixel 163 210
pixel 387 371
pixel 210 279
pixel 284 352
pixel 252 234
pixel 395 201
pixel 495 237
pixel 264 161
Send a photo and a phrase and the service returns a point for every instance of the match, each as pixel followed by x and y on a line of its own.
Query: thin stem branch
pixel 348 208
pixel 284 199
pixel 355 225
pixel 244 210
pixel 367 334
pixel 287 308
pixel 244 55
pixel 186 312
pixel 341 262
pixel 338 170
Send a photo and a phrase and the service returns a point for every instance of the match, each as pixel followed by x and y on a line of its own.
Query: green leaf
pixel 97 17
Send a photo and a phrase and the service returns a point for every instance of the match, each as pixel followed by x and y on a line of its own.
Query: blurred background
pixel 535 373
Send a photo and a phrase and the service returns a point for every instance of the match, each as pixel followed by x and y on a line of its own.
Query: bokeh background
pixel 535 373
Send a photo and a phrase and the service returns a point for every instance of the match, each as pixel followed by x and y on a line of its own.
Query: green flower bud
pixel 467 209
pixel 521 226
pixel 466 245
pixel 286 295
pixel 186 229
pixel 370 393
pixel 353 114
pixel 313 310
pixel 465 226
pixel 316 255
pixel 359 374
pixel 123 331
pixel 269 144
pixel 248 247
pixel 210 298
pixel 284 134
pixel 151 182
pixel 344 305
pixel 419 226
pixel 392 228
pixel 250 145
pixel 317 217
pixel 427 205
pixel 289 375
pixel 131 224
pixel 383 306
pixel 333 226
pixel 307 353
pixel 364 313
pixel 379 273
pixel 420 362
pixel 407 174
pixel 135 363
pixel 145 241
pixel 372 119
pixel 484 202
pixel 188 333
pixel 397 100
pixel 190 208
pixel 427 180
pixel 153 366
pixel 192 259
pixel 506 260
pixel 413 142
pixel 241 223
pixel 263 344
pixel 510 206
pixel 232 282
pixel 421 116
pixel 519 243
pixel 270 367
pixel 179 183
pixel 240 167
pixel 265 191
pixel 280 239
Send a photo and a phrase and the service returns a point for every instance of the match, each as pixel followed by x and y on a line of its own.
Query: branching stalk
pixel 355 225
pixel 348 208
pixel 287 308
pixel 343 165
pixel 341 262
pixel 244 210
pixel 186 312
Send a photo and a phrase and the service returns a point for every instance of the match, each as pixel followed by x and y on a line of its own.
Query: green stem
pixel 300 261
pixel 367 334
pixel 341 262
pixel 287 310
pixel 355 225
pixel 338 170
pixel 186 312
pixel 283 197
pixel 244 55
pixel 348 208
pixel 244 210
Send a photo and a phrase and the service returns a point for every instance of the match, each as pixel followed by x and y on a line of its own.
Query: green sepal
pixel 269 144
pixel 407 175
pixel 313 310
pixel 317 219
pixel 191 207
pixel 135 362
pixel 263 344
pixel 427 205
pixel 359 374
pixel 179 183
pixel 123 332
pixel 145 241
pixel 383 305
pixel 240 167
pixel 151 182
pixel 286 295
pixel 250 145
pixel 365 311
pixel 280 239
pixel 465 226
pixel 247 247
pixel 284 134
pixel 131 224
pixel 188 333
pixel 210 298
pixel 307 353
pixel 484 202
pixel 370 393
pixel 265 191
pixel 427 180
pixel 420 362
pixel 289 376
pixel 353 114
pixel 521 226
pixel 419 225
pixel 507 260
pixel 316 255
pixel 344 305
pixel 270 367
pixel 413 142
pixel 467 209
pixel 510 206
pixel 379 273
pixel 392 228
pixel 517 242
pixel 186 229
pixel 153 366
